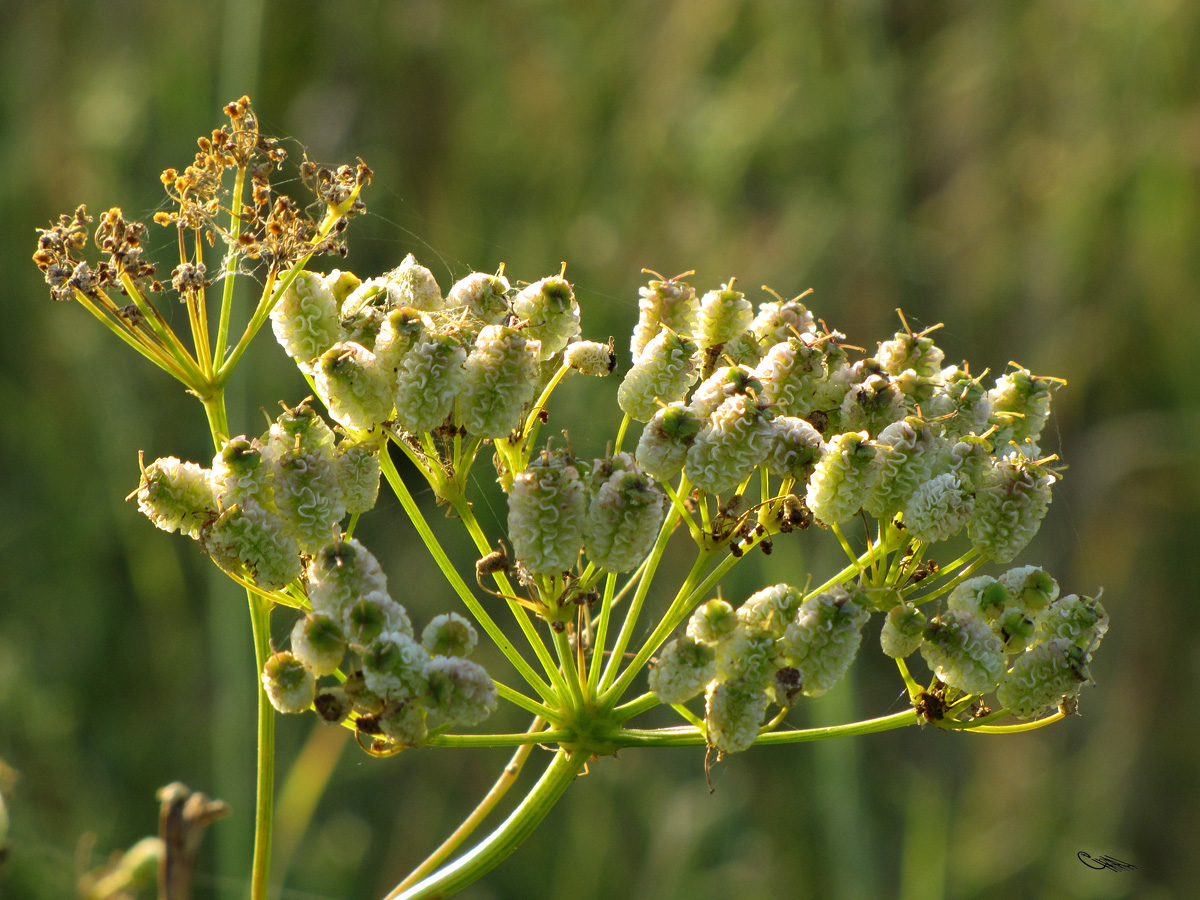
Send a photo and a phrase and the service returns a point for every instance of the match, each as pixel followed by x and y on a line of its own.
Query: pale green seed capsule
pixel 723 383
pixel 770 610
pixel 903 630
pixel 669 304
pixel 398 334
pixel 1031 588
pixel 871 405
pixel 363 313
pixel 177 496
pixel 342 284
pixel 241 471
pixel 963 651
pixel 959 404
pixel 411 284
pixel 1080 620
pixel 980 596
pixel 794 450
pixel 308 497
pixel 743 348
pixel 790 374
pixel 300 428
pixel 938 509
pixel 546 511
pixel 730 446
pixel 1020 407
pixel 485 297
pixel 910 351
pixel 747 657
pixel 319 642
pixel 428 381
pixel 1015 629
pixel 905 455
pixel 357 467
pixel 458 691
pixel 498 382
pixel 624 516
pixel 341 573
pixel 824 638
pixel 1042 677
pixel 682 669
pixel 591 357
pixel 251 536
pixel 371 615
pixel 305 320
pixel 549 314
pixel 449 634
pixel 1010 503
pixel 358 392
pixel 723 314
pixel 289 683
pixel 841 478
pixel 394 667
pixel 712 623
pixel 777 322
pixel 733 715
pixel 663 445
pixel 661 374
pixel 405 724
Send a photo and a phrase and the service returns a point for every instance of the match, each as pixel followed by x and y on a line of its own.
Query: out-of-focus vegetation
pixel 1027 172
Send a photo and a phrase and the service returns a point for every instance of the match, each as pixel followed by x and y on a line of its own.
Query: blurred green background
pixel 1026 172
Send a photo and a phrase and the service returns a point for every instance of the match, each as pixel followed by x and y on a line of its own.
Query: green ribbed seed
pixel 747 657
pixel 743 349
pixel 411 284
pixel 305 320
pixel 458 691
pixel 449 634
pixel 251 536
pixel 724 313
pixel 938 509
pixel 177 496
pixel 427 383
pixel 910 351
pixel 982 595
pixel 669 304
pixel 357 391
pixel 290 685
pixel 1015 629
pixel 662 374
pixel 300 428
pixel 1020 407
pixel 371 615
pixel 777 322
pixel 824 638
pixel 841 478
pixel 770 610
pixel 723 383
pixel 1080 620
pixel 959 404
pixel 549 314
pixel 733 715
pixel 730 446
pixel 712 622
pixel 308 496
pixel 1010 504
pixel 241 471
pixel 1042 677
pixel 663 446
pixel 794 449
pixel 394 667
pixel 871 405
pixel 903 630
pixel 498 382
pixel 341 573
pixel 624 516
pixel 319 642
pixel 398 334
pixel 546 511
pixel 905 455
pixel 790 374
pixel 357 467
pixel 1031 588
pixel 963 651
pixel 682 669
pixel 485 297
pixel 591 357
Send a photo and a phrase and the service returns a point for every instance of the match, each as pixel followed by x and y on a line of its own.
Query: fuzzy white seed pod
pixel 790 374
pixel 546 511
pixel 308 496
pixel 982 596
pixel 871 405
pixel 623 519
pixel 405 724
pixel 319 642
pixel 1010 504
pixel 663 445
pixel 910 351
pixel 1080 620
pixel 305 320
pixel 484 295
pixel 449 634
pixel 370 615
pixel 300 428
pixel 1020 407
pixel 661 374
pixel 411 284
pixel 743 348
pixel 591 357
pixel 733 714
pixel 289 683
pixel 1042 677
pixel 1015 629
pixel 498 382
pixel 340 573
pixel 723 314
pixel 903 629
pixel 177 496
pixel 398 334
pixel 771 609
pixel 1031 588
pixel 840 481
pixel 723 383
pixel 428 381
pixel 357 468
pixel 394 667
pixel 550 314
pixel 959 403
pixel 712 622
pixel 459 691
pixel 682 669
pixel 747 657
pixel 776 322
pixel 251 536
pixel 824 638
pixel 357 391
pixel 730 446
pixel 905 455
pixel 963 651
pixel 242 471
pixel 794 450
pixel 671 304
pixel 938 509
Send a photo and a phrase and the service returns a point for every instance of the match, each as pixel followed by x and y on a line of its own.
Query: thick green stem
pixel 504 840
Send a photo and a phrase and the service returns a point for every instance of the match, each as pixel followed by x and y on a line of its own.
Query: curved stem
pixel 688 736
pixel 505 839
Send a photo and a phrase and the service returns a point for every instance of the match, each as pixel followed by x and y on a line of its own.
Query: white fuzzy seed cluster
pixel 399 687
